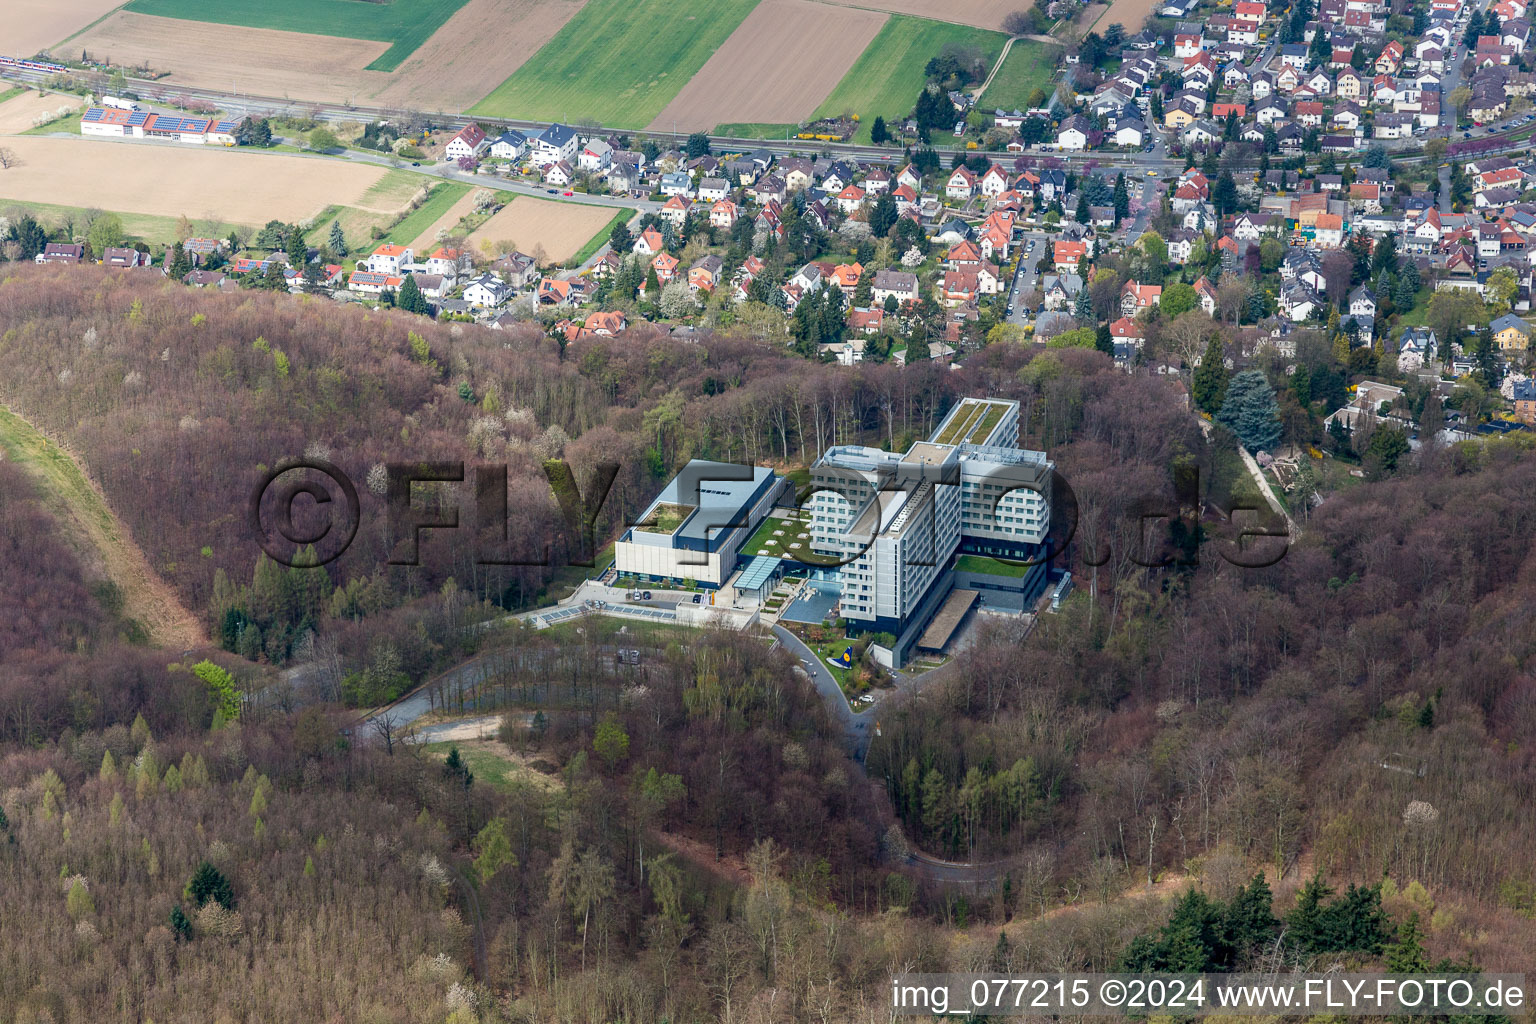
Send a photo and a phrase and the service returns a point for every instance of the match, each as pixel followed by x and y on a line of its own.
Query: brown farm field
pixel 261 61
pixel 171 180
pixel 559 228
pixel 977 13
pixel 31 26
pixel 764 74
pixel 19 112
pixel 1129 14
pixel 474 52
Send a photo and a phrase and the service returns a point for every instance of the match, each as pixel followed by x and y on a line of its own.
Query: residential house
pixel 649 243
pixel 123 258
pixel 486 291
pixel 704 273
pixel 1128 332
pixel 961 184
pixel 896 283
pixel 1510 332
pixel 1068 255
pixel 595 156
pixel 723 214
pixel 371 283
pixel 553 144
pixel 61 252
pixel 850 199
pixel 467 144
pixel 1135 297
pixel 390 259
pixel 711 189
pixel 509 145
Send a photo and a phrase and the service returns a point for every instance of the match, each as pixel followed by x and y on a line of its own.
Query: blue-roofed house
pixel 509 145
pixel 553 144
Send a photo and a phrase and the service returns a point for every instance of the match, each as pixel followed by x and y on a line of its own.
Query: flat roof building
pixel 902 524
pixel 698 523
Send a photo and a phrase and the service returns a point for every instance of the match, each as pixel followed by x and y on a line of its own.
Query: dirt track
pixel 765 74
pixel 427 240
pixel 83 512
pixel 978 13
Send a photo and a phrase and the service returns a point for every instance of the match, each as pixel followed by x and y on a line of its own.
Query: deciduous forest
pixel 1327 760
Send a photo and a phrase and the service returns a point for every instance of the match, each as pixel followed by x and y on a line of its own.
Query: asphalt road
pixel 237 102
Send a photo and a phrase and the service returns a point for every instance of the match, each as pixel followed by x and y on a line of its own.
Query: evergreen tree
pixel 410 298
pixel 1082 307
pixel 620 239
pixel 180 263
pixel 1210 382
pixel 1122 199
pixel 208 883
pixel 878 133
pixel 1104 340
pixel 338 241
pixel 883 215
pixel 181 928
pixel 1406 955
pixel 1250 411
pixel 261 133
pixel 297 248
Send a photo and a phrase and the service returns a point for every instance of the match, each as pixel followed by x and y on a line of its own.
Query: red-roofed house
pixel 649 243
pixel 389 259
pixel 467 143
pixel 723 213
pixel 1128 331
pixel 1067 254
pixel 1135 297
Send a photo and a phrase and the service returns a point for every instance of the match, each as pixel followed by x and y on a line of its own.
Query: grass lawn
pixel 493 767
pixel 604 629
pixel 755 131
pixel 441 199
pixel 69 125
pixel 981 563
pixel 888 75
pixel 11 93
pixel 404 24
pixel 617 62
pixel 152 230
pixel 1028 66
pixel 597 241
pixel 793 534
pixel 357 225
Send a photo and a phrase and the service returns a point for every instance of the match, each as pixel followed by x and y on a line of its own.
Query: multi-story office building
pixel 905 525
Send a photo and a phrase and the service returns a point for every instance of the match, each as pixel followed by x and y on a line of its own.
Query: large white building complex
pixel 918 532
pixel 900 543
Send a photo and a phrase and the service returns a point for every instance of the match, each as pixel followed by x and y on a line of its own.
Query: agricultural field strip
pixel 404 24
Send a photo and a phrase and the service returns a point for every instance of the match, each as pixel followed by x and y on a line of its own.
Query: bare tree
pixel 7 157
pixel 384 729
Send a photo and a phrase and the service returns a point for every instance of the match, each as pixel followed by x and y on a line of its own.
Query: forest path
pixel 82 510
